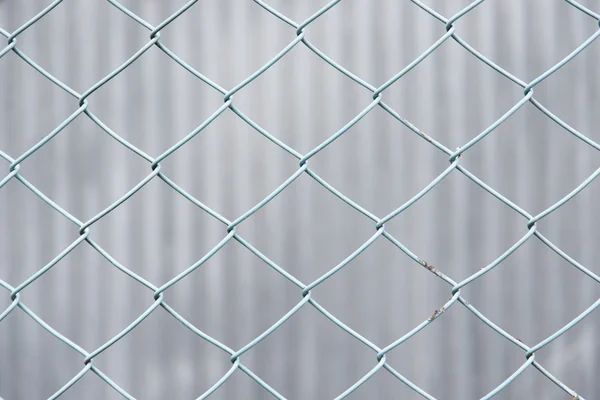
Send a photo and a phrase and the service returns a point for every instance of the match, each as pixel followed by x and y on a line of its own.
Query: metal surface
pixel 246 305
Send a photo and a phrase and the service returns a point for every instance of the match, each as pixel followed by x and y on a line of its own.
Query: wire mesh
pixel 380 362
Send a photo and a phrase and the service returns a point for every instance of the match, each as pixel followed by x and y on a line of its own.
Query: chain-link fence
pixel 375 92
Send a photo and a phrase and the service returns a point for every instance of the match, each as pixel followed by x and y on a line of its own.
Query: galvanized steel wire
pixel 82 108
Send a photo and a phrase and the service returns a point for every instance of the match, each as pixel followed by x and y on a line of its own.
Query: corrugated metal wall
pixel 457 227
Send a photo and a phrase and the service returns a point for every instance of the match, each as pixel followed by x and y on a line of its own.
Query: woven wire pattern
pixel 454 156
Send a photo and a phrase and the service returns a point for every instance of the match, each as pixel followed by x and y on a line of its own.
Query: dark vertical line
pixel 11 363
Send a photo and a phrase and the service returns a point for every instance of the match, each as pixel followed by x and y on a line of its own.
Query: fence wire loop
pixel 84 106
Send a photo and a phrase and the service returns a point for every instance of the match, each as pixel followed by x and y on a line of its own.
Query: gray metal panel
pixel 380 164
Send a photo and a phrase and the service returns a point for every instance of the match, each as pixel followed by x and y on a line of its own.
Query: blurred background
pixel 379 163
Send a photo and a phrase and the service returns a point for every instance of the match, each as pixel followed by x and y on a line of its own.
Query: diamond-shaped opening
pixel 520 36
pixel 373 40
pixel 402 287
pixel 31 233
pixel 83 169
pixel 13 15
pixel 57 44
pixel 252 37
pixel 452 104
pixel 569 93
pixel 30 354
pixel 572 358
pixel 571 226
pixel 307 230
pixel 31 106
pixel 229 166
pixel 157 232
pixel 136 106
pixel 478 360
pixel 457 226
pixel 233 297
pixel 309 100
pixel 310 357
pixel 520 294
pixel 548 161
pixel 379 163
pixel 571 77
pixel 161 358
pixel 87 313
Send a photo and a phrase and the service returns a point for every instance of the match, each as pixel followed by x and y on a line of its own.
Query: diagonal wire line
pixel 285 19
pixel 303 163
pixel 14 172
pixel 320 147
pixel 84 226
